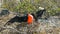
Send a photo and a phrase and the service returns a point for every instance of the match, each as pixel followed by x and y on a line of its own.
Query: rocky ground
pixel 49 26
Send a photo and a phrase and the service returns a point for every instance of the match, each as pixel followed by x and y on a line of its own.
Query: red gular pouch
pixel 30 19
